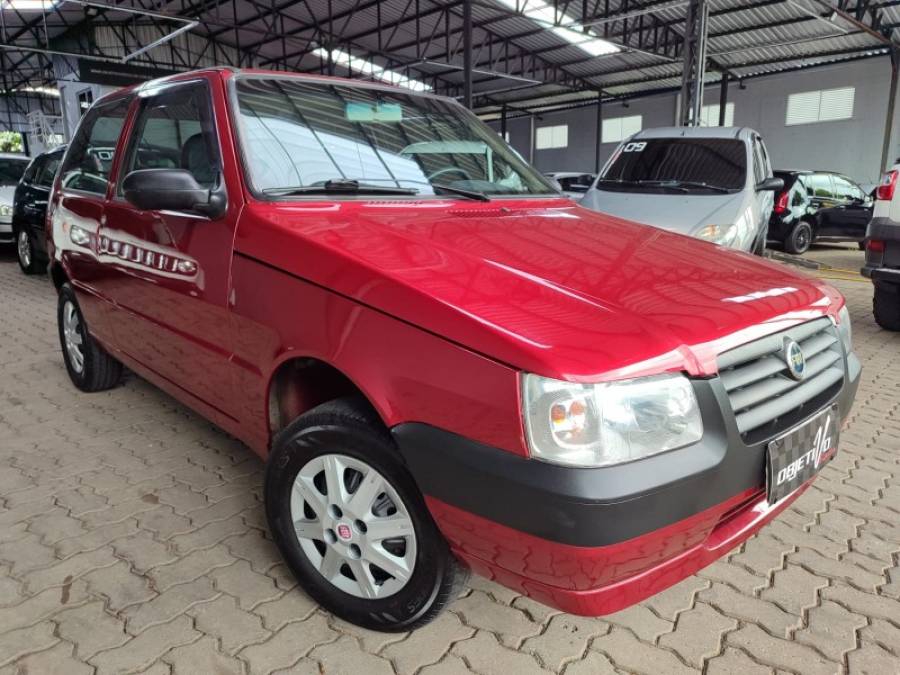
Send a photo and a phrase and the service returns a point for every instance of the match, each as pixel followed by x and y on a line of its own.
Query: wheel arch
pixel 300 383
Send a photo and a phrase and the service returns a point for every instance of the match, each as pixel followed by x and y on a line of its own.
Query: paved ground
pixel 132 539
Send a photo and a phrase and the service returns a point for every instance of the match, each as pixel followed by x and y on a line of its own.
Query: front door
pixel 172 269
pixel 850 215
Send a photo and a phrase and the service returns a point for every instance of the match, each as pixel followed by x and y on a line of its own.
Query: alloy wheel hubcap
pixel 72 336
pixel 353 527
pixel 24 248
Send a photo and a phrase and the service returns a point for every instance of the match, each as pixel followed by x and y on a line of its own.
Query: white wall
pixel 849 146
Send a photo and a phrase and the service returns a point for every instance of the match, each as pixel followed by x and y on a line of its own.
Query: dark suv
pixel 30 210
pixel 818 205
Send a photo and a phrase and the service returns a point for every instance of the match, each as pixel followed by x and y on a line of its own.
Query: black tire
pixel 27 258
pixel 98 371
pixel 886 306
pixel 348 427
pixel 800 238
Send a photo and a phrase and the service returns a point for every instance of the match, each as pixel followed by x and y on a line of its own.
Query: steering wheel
pixel 450 169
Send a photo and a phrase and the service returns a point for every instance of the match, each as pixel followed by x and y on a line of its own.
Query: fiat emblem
pixel 795 360
pixel 344 532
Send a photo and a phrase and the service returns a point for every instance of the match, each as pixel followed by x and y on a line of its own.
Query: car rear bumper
pixel 883 266
pixel 6 232
pixel 595 540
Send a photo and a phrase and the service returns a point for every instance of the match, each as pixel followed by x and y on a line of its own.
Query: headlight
pixel 609 423
pixel 845 329
pixel 6 210
pixel 724 235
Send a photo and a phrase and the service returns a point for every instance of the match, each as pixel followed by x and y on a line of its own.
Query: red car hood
pixel 544 286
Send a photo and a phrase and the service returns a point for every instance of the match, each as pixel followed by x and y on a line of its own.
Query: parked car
pixel 442 373
pixel 573 184
pixel 819 206
pixel 12 167
pixel 882 264
pixel 713 183
pixel 30 210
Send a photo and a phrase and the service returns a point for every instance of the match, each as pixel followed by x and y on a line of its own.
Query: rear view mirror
pixel 171 190
pixel 770 184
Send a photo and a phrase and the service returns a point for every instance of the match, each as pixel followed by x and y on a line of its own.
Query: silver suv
pixel 714 183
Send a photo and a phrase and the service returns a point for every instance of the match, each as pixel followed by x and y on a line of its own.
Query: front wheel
pixel 351 523
pixel 90 367
pixel 886 306
pixel 800 238
pixel 26 254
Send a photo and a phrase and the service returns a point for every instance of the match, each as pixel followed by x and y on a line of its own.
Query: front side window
pixel 704 165
pixel 298 135
pixel 12 169
pixel 846 190
pixel 174 130
pixel 91 154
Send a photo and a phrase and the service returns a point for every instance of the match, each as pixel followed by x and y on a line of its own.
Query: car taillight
pixel 888 184
pixel 781 204
pixel 875 245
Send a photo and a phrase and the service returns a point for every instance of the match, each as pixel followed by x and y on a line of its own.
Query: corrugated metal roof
pixel 747 38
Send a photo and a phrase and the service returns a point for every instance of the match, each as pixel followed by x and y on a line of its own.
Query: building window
pixel 552 137
pixel 618 129
pixel 709 115
pixel 825 105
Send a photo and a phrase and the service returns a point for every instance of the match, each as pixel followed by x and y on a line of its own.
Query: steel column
pixel 695 34
pixel 467 53
pixel 599 141
pixel 892 100
pixel 503 121
pixel 723 98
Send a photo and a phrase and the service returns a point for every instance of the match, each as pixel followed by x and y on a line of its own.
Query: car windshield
pixel 688 164
pixel 11 170
pixel 303 137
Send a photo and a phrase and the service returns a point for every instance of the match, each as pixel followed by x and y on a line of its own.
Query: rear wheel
pixel 90 367
pixel 351 523
pixel 800 238
pixel 886 306
pixel 26 254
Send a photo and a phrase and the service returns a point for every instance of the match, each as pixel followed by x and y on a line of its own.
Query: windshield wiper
pixel 672 183
pixel 471 194
pixel 340 186
pixel 693 184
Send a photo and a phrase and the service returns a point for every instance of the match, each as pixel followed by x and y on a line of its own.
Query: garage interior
pixel 132 532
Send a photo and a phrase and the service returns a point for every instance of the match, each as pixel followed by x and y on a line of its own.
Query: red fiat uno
pixel 446 364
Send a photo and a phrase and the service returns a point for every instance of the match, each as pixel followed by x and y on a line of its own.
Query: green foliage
pixel 10 141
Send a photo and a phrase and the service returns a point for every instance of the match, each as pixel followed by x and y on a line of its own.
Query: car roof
pixel 738 133
pixel 229 71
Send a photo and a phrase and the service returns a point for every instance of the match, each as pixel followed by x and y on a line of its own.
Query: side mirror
pixel 770 184
pixel 171 190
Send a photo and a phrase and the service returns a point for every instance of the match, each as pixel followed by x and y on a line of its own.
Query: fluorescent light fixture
pixel 355 63
pixel 542 13
pixel 28 5
pixel 46 91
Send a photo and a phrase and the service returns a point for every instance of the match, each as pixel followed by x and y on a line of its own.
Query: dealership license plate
pixel 797 456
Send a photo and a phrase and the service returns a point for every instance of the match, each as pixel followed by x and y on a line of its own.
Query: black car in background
pixel 30 210
pixel 819 205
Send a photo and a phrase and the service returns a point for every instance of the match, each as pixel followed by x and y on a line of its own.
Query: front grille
pixel 765 399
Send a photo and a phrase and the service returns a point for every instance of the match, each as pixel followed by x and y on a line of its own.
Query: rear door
pixel 172 268
pixel 38 193
pixel 79 210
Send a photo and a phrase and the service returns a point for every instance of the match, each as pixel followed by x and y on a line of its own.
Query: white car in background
pixel 574 184
pixel 11 169
pixel 714 183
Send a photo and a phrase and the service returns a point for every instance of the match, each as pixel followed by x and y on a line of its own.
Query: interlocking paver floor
pixel 132 539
